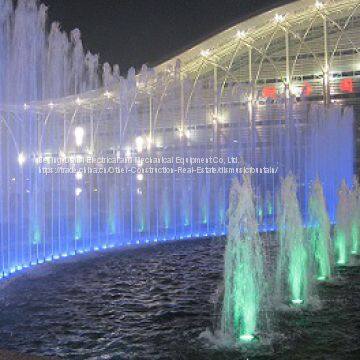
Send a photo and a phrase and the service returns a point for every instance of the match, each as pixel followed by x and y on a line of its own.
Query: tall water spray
pixel 319 232
pixel 45 217
pixel 343 241
pixel 355 220
pixel 293 270
pixel 243 276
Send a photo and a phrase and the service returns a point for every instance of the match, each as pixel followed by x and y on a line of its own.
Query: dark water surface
pixel 154 302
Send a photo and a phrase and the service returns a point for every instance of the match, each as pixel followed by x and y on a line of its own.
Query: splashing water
pixel 243 266
pixel 293 270
pixel 355 221
pixel 319 231
pixel 343 226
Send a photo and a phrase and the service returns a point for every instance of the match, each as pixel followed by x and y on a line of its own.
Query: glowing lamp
pixel 205 53
pixel 279 18
pixel 241 34
pixel 269 92
pixel 319 5
pixel 347 86
pixel 78 191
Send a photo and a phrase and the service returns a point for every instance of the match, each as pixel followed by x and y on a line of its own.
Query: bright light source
pixel 140 177
pixel 139 191
pixel 108 94
pixel 279 18
pixel 21 159
pixel 78 101
pixel 26 106
pixel 297 301
pixel 51 105
pixel 139 143
pixel 241 34
pixel 78 191
pixel 79 175
pixel 79 135
pixel 246 337
pixel 319 5
pixel 205 53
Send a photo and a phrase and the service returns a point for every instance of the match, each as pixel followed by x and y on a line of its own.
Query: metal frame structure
pixel 303 50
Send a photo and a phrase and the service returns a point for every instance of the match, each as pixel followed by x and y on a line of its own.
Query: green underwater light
pixel 321 278
pixel 247 337
pixel 297 301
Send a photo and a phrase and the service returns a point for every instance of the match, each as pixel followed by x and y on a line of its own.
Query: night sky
pixel 133 32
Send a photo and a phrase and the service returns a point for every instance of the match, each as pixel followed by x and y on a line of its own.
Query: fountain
pixel 355 220
pixel 58 102
pixel 243 275
pixel 319 232
pixel 293 277
pixel 343 226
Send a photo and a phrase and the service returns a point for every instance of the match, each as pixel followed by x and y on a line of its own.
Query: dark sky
pixel 133 32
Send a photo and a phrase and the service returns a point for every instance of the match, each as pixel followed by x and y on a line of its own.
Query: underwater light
pixel 321 278
pixel 297 301
pixel 246 337
pixel 78 191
